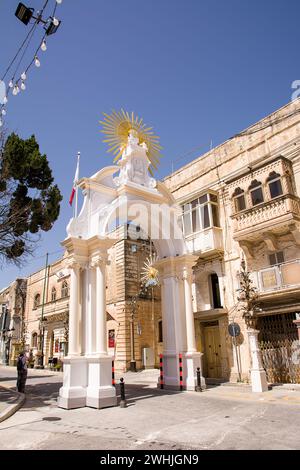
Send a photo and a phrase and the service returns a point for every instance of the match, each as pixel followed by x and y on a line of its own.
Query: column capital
pixel 99 260
pixel 74 262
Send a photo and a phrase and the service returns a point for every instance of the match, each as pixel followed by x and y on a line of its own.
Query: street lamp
pixel 25 14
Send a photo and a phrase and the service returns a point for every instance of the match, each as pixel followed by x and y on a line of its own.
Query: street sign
pixel 234 329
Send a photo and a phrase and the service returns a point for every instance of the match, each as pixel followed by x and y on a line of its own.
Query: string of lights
pixel 17 82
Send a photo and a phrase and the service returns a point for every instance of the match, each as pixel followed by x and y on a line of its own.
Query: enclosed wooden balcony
pixel 275 216
pixel 206 242
pixel 279 279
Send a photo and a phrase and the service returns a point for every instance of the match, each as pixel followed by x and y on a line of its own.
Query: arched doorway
pixel 151 206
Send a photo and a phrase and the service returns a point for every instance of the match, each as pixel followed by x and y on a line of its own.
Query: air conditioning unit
pixel 148 358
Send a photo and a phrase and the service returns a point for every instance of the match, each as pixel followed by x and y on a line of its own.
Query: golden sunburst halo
pixel 149 274
pixel 116 127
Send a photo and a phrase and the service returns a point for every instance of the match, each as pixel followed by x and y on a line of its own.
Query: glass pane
pixel 195 203
pixel 196 220
pixel 186 207
pixel 272 259
pixel 213 198
pixel 205 222
pixel 269 278
pixel 257 196
pixel 240 203
pixel 215 214
pixel 275 188
pixel 280 257
pixel 187 224
pixel 203 199
pixel 291 273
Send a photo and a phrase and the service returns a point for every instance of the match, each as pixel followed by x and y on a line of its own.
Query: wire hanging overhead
pixel 20 61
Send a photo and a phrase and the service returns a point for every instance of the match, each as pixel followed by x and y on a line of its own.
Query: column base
pixel 73 392
pixel 100 392
pixel 190 362
pixel 259 380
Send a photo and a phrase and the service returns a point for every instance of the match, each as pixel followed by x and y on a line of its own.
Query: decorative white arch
pixel 130 196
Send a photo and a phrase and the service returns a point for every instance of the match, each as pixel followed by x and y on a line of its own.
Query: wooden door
pixel 213 351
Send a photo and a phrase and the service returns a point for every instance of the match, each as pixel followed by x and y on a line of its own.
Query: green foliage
pixel 29 200
pixel 248 296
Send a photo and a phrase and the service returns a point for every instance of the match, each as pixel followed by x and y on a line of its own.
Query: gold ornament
pixel 116 127
pixel 150 275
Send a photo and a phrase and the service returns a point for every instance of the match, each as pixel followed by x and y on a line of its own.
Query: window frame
pixel 252 188
pixel 64 290
pixel 53 291
pixel 35 304
pixel 238 194
pixel 273 178
pixel 197 222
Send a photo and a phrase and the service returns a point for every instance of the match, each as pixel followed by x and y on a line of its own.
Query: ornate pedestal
pixel 100 392
pixel 73 392
pixel 258 375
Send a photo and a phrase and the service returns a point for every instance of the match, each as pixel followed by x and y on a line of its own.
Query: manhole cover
pixel 51 418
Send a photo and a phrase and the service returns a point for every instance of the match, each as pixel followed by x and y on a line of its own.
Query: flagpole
pixel 76 195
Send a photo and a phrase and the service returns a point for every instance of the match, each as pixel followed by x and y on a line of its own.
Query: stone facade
pixel 256 178
pixel 126 258
pixel 12 321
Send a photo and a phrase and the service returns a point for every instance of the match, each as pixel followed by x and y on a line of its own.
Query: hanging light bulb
pixel 23 86
pixel 11 84
pixel 5 100
pixel 3 112
pixel 55 21
pixel 44 46
pixel 59 2
pixel 37 62
pixel 23 76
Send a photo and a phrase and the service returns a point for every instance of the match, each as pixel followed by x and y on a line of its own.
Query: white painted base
pixel 73 392
pixel 100 392
pixel 259 380
pixel 190 362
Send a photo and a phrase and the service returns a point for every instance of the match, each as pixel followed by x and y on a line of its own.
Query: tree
pixel 248 297
pixel 29 201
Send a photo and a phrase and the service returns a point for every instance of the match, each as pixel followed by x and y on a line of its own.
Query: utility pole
pixel 42 328
pixel 132 318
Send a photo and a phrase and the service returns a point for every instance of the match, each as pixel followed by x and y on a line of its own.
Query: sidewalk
pixel 10 402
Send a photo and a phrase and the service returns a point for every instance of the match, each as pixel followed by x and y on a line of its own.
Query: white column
pixel 101 342
pixel 100 392
pixel 74 341
pixel 189 315
pixel 73 392
pixel 258 375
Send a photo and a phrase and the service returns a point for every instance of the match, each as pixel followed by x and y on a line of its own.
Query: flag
pixel 76 177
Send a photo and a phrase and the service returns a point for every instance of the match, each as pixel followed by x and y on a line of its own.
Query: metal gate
pixel 279 344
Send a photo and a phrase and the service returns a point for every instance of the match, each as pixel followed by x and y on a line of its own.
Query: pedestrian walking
pixel 22 372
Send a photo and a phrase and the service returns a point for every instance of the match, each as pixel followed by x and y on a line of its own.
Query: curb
pixel 11 409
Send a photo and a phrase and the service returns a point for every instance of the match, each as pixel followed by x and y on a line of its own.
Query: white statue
pixel 135 163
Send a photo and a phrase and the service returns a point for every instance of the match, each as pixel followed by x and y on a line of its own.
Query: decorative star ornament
pixel 150 275
pixel 116 127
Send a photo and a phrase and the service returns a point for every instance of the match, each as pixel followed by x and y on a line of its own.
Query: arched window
pixel 53 294
pixel 256 192
pixel 34 340
pixel 64 289
pixel 239 199
pixel 37 301
pixel 275 186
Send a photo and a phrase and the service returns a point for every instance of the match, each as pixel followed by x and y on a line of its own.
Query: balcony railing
pixel 278 277
pixel 205 241
pixel 282 210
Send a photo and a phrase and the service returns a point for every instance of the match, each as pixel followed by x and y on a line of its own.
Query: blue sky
pixel 197 70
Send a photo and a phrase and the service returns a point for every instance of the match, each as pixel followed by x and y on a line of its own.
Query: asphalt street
pixel 224 417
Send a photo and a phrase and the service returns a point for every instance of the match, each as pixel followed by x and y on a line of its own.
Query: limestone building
pixel 127 323
pixel 241 200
